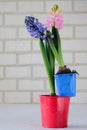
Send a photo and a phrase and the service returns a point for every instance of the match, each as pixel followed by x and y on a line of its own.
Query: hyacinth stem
pixel 56 47
pixel 57 56
pixel 59 47
pixel 49 68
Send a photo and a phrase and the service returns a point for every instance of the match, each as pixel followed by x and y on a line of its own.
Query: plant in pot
pixel 54 108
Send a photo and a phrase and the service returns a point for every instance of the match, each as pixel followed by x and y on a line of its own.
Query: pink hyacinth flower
pixel 49 22
pixel 55 20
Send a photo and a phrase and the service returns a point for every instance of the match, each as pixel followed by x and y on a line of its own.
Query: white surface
pixel 27 117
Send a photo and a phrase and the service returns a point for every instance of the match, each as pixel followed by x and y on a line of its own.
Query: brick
pixel 1 72
pixel 81 58
pixel 31 85
pixel 80 98
pixel 31 6
pixel 1 46
pixel 23 33
pixel 66 6
pixel 66 32
pixel 37 58
pixel 13 19
pixel 7 7
pixel 41 17
pixel 18 46
pixel 1 20
pixel 47 85
pixel 6 85
pixel 75 19
pixel 35 45
pixel 7 59
pixel 68 58
pixel 30 58
pixel 81 84
pixel 39 72
pixel 25 59
pixel 1 97
pixel 74 45
pixel 17 97
pixel 81 69
pixel 7 33
pixel 81 32
pixel 36 96
pixel 18 72
pixel 80 5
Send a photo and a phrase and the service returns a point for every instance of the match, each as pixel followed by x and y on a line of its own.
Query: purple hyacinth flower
pixel 35 28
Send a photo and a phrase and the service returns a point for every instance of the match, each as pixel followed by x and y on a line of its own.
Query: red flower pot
pixel 54 111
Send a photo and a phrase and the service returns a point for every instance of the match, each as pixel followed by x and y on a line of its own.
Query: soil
pixel 65 70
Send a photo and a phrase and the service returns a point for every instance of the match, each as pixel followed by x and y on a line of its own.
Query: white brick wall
pixel 80 5
pixel 7 85
pixel 31 6
pixel 22 33
pixel 1 46
pixel 81 58
pixel 17 97
pixel 74 45
pixel 81 84
pixel 22 73
pixel 1 97
pixel 76 19
pixel 68 58
pixel 18 72
pixel 81 32
pixel 1 72
pixel 7 59
pixel 35 46
pixel 31 85
pixel 66 34
pixel 8 7
pixel 17 46
pixel 39 72
pixel 7 33
pixel 1 20
pixel 30 58
pixel 14 20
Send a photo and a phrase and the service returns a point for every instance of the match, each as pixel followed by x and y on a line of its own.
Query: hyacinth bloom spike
pixel 55 18
pixel 35 28
pixel 55 22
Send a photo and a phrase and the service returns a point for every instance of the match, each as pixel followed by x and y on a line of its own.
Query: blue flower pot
pixel 66 84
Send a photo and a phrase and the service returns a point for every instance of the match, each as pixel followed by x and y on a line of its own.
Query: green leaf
pixel 57 44
pixel 50 57
pixel 45 54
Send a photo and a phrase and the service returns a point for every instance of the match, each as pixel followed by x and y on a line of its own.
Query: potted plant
pixel 54 108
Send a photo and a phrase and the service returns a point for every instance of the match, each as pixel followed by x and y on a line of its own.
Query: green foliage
pixel 49 62
pixel 51 50
pixel 56 47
